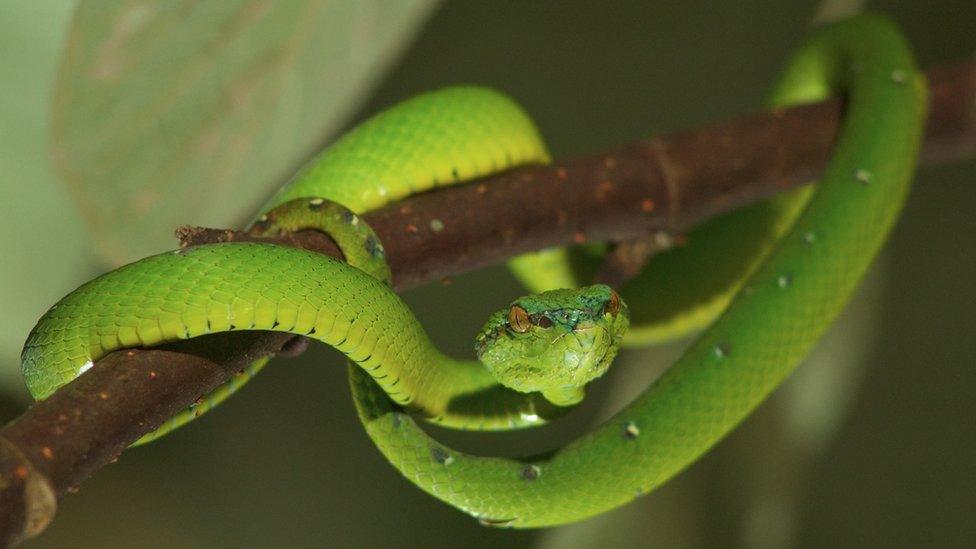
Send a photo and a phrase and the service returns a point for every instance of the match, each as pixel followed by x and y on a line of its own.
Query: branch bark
pixel 663 186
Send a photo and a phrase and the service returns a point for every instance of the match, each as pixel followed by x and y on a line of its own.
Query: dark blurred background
pixel 871 443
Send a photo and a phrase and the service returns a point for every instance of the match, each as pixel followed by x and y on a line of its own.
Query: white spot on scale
pixel 721 350
pixel 663 239
pixel 85 367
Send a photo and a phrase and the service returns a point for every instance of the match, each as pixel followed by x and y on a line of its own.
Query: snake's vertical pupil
pixel 518 319
pixel 613 304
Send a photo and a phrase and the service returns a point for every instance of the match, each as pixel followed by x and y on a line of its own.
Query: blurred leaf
pixel 45 251
pixel 169 113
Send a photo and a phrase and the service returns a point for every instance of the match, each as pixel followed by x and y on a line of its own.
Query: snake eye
pixel 612 306
pixel 518 319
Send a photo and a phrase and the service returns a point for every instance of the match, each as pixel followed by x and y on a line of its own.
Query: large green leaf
pixel 44 251
pixel 177 112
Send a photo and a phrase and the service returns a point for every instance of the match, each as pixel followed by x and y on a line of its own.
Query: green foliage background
pixel 872 442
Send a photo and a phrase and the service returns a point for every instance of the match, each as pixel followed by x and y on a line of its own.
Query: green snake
pixel 789 266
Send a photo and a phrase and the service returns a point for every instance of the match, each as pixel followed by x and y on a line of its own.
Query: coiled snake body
pixel 792 264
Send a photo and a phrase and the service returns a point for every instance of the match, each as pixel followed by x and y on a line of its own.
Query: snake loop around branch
pixel 778 274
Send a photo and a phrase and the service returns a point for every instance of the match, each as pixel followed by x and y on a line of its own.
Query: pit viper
pixel 766 281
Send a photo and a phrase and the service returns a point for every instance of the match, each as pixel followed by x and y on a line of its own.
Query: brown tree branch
pixel 660 186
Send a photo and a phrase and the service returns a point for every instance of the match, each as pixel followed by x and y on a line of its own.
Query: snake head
pixel 554 342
